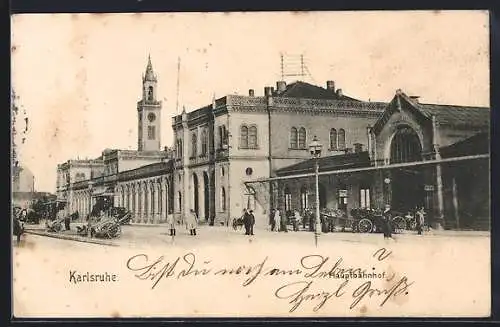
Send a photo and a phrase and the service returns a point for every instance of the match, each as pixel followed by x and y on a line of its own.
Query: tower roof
pixel 149 75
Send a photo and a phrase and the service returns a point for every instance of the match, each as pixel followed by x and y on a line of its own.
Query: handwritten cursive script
pixel 342 280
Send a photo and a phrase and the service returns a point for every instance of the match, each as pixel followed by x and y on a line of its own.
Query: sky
pixel 78 76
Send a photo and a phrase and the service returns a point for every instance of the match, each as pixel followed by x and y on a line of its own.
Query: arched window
pixel 150 93
pixel 304 197
pixel 204 142
pixel 223 199
pixel 333 139
pixel 302 138
pixel 244 137
pixel 252 137
pixel 341 139
pixel 405 146
pixel 288 199
pixel 194 143
pixel 293 138
pixel 179 148
pixel 364 196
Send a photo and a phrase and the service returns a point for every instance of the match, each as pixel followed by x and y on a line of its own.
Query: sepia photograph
pixel 251 164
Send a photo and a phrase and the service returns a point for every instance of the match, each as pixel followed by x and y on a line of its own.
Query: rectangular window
pixel 151 132
pixel 364 198
pixel 304 200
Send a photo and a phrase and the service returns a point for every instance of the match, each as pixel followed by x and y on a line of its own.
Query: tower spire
pixel 150 75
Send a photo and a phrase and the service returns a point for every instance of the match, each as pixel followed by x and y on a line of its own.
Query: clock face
pixel 151 117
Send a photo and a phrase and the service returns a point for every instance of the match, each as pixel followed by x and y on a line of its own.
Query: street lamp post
pixel 315 149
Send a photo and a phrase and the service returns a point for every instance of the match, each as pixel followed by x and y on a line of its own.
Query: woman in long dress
pixel 171 224
pixel 277 220
pixel 191 222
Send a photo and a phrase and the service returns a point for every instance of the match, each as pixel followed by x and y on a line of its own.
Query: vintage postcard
pixel 264 164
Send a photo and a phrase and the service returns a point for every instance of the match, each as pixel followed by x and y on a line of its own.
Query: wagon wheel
pixel 112 230
pixel 365 225
pixel 235 224
pixel 399 224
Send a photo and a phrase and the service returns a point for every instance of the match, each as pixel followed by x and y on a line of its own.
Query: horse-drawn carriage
pixel 107 224
pixel 372 220
pixel 57 224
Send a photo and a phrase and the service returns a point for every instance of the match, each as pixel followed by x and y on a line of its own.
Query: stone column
pixel 157 202
pixel 165 202
pixel 137 213
pixel 143 202
pixel 439 177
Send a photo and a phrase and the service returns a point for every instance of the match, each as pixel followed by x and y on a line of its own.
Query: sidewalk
pixel 71 237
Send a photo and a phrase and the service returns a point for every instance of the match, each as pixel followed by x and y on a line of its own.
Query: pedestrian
pixel 18 229
pixel 305 213
pixel 252 221
pixel 171 224
pixel 271 220
pixel 386 219
pixel 284 222
pixel 191 222
pixel 420 214
pixel 67 220
pixel 246 221
pixel 277 220
pixel 296 221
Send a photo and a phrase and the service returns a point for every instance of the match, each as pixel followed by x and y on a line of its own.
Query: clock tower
pixel 149 112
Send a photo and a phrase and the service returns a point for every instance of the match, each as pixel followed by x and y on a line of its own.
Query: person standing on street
pixel 171 224
pixel 191 222
pixel 246 221
pixel 420 220
pixel 296 220
pixel 386 221
pixel 252 222
pixel 277 220
pixel 271 220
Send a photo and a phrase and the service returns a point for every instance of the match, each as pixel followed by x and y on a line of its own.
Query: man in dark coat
pixel 251 222
pixel 386 222
pixel 246 221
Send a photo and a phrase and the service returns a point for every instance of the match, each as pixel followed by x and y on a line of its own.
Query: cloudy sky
pixel 78 76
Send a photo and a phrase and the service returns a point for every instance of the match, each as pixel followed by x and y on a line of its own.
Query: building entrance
pixel 407 184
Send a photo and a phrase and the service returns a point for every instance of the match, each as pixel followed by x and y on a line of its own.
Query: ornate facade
pixel 223 151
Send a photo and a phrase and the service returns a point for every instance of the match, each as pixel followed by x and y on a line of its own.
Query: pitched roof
pixel 336 162
pixel 457 115
pixel 476 144
pixel 301 89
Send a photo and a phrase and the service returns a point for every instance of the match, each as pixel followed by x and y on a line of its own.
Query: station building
pixel 251 151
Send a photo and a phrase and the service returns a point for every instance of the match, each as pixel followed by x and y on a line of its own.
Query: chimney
pixel 415 98
pixel 251 93
pixel 330 86
pixel 281 86
pixel 339 93
pixel 268 91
